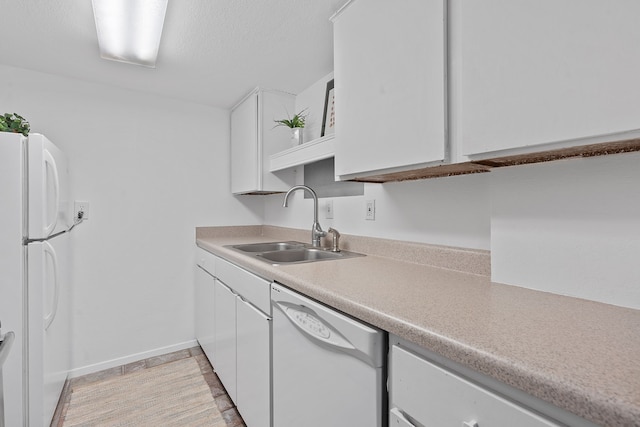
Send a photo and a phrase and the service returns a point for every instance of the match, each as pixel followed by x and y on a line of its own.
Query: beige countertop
pixel 579 355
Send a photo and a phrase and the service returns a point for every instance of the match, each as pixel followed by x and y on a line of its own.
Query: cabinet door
pixel 274 105
pixel 434 396
pixel 390 85
pixel 253 289
pixel 539 72
pixel 205 311
pixel 254 138
pixel 245 164
pixel 254 365
pixel 224 361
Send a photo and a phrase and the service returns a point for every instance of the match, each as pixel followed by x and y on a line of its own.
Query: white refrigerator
pixel 35 213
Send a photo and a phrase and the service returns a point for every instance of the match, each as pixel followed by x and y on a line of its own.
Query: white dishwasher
pixel 328 369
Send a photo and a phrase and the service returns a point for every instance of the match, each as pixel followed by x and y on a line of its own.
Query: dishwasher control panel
pixel 310 323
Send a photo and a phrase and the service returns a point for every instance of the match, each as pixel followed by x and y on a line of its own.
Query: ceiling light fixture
pixel 130 30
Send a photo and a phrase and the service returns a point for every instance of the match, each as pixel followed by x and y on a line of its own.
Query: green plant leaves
pixel 296 121
pixel 14 123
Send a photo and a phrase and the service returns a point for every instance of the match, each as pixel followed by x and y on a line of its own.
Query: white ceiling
pixel 212 51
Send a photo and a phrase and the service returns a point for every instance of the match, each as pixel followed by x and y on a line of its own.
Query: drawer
pixel 434 396
pixel 250 287
pixel 206 260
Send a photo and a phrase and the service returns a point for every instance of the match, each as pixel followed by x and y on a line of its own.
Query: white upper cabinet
pixel 546 72
pixel 389 60
pixel 254 139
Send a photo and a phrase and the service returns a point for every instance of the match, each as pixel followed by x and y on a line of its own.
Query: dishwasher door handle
pixel 320 332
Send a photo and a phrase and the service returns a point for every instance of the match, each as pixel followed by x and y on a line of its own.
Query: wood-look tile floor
pixel 224 403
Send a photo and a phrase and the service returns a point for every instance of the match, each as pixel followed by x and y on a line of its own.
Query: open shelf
pixel 309 152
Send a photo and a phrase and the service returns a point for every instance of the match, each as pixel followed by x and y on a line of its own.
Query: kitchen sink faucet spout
pixel 316 231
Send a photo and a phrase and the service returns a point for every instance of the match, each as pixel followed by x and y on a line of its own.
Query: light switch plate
pixel 328 209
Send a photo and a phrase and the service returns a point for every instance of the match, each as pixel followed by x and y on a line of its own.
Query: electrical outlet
pixel 328 209
pixel 370 213
pixel 79 206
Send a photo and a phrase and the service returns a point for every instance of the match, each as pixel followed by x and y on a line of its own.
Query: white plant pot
pixel 296 136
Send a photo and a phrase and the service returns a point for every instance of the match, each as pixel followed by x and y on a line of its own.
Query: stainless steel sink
pixel 279 253
pixel 298 255
pixel 268 247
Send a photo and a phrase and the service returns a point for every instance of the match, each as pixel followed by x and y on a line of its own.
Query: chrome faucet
pixel 316 231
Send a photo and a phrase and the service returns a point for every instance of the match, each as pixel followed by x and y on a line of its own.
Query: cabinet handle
pixel 225 287
pixel 398 419
pixel 254 308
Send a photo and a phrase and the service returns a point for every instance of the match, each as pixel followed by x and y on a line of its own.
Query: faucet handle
pixel 336 239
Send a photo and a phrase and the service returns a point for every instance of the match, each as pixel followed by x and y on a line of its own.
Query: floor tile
pixel 165 358
pixel 232 418
pixel 134 366
pixel 202 360
pixel 97 376
pixel 196 351
pixel 224 402
pixel 217 389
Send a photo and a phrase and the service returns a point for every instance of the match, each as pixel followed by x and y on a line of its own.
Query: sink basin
pixel 300 255
pixel 279 253
pixel 268 247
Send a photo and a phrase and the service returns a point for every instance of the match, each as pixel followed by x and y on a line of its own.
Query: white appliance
pixel 328 369
pixel 6 341
pixel 34 277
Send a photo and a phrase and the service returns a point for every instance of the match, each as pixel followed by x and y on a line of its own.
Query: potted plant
pixel 14 123
pixel 296 123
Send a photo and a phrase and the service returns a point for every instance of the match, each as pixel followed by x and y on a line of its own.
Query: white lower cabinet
pixel 204 310
pixel 242 357
pixel 224 361
pixel 205 273
pixel 253 364
pixel 425 394
pixel 397 419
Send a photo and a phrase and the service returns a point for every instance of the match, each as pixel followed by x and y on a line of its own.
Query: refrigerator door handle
pixel 48 159
pixel 48 319
pixel 5 345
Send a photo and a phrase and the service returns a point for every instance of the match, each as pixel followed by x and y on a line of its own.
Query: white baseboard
pixel 107 364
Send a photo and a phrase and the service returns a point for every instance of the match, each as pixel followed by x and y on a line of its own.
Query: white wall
pixel 312 100
pixel 152 169
pixel 570 227
pixel 447 211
